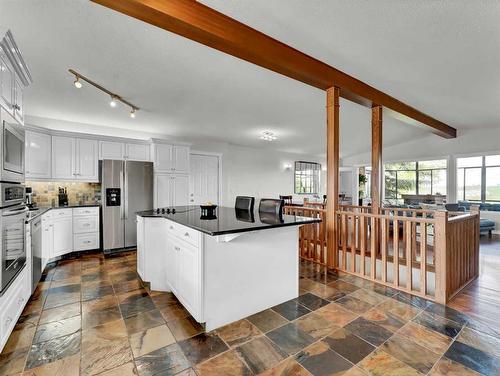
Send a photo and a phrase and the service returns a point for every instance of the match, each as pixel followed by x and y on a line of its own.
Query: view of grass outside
pixel 470 186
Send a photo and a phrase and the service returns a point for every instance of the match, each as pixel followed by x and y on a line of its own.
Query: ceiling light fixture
pixel 77 83
pixel 268 136
pixel 115 98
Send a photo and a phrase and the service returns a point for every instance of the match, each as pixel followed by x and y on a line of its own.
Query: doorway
pixel 204 179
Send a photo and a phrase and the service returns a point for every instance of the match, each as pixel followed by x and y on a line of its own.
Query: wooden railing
pixel 312 237
pixel 432 254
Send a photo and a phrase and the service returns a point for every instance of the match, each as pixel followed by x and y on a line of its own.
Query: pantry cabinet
pixel 171 190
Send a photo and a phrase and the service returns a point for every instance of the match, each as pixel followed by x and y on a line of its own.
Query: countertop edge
pixel 44 210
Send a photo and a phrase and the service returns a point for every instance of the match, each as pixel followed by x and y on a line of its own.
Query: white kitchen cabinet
pixel 188 276
pixel 111 150
pixel 63 158
pixel 38 155
pixel 86 160
pixel 137 152
pixel 7 84
pixel 47 238
pixel 74 159
pixel 171 158
pixel 171 190
pixel 171 266
pixel 140 248
pixel 86 233
pixel 62 223
pixel 18 102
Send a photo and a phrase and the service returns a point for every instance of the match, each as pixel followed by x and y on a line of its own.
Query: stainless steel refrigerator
pixel 127 187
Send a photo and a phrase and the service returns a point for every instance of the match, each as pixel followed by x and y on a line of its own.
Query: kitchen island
pixel 221 268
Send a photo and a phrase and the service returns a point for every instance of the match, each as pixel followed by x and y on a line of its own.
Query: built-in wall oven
pixel 12 152
pixel 12 233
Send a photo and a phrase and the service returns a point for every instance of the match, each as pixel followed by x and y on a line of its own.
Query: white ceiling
pixel 442 57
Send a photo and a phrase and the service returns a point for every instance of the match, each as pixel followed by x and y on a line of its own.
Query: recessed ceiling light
pixel 268 136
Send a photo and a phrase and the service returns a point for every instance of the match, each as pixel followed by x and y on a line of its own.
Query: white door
pixel 180 191
pixel 87 160
pixel 63 236
pixel 188 277
pixel 163 158
pixel 63 157
pixel 163 189
pixel 180 159
pixel 171 267
pixel 137 152
pixel 111 150
pixel 38 152
pixel 204 179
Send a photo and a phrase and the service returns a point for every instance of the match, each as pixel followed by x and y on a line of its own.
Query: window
pixel 307 177
pixel 478 178
pixel 421 178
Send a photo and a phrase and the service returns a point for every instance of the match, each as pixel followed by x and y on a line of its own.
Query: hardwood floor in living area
pixel 92 315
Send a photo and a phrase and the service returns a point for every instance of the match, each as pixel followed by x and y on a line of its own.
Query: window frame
pixel 483 169
pixel 315 177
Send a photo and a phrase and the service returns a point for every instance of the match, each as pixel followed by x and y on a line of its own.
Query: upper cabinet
pixel 38 155
pixel 171 158
pixel 74 159
pixel 123 151
pixel 14 77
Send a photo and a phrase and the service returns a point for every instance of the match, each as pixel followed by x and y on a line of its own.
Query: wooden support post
pixel 332 156
pixel 376 176
pixel 441 258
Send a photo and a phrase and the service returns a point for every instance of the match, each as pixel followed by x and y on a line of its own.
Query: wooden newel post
pixel 441 257
pixel 474 209
pixel 332 157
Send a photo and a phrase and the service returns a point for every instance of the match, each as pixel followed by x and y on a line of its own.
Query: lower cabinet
pixel 12 303
pixel 62 235
pixel 169 256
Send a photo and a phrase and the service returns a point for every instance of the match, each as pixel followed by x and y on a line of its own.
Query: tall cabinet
pixel 171 181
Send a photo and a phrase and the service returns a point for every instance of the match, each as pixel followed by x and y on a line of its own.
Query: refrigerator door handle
pixel 125 189
pixel 122 193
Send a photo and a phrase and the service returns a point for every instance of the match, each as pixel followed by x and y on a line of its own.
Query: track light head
pixel 77 82
pixel 112 103
pixel 132 113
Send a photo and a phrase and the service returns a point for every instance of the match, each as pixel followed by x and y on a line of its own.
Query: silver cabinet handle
pixel 177 248
pixel 87 241
pixel 171 227
pixel 186 234
pixel 86 224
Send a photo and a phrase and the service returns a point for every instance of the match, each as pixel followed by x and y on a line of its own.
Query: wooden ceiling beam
pixel 207 26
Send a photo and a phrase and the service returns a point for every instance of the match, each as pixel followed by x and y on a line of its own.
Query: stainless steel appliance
pixel 12 153
pixel 127 187
pixel 36 251
pixel 11 194
pixel 13 257
pixel 29 197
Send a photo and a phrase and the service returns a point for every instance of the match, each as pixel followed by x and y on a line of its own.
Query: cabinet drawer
pixel 185 233
pixel 82 225
pixel 94 210
pixel 83 242
pixel 62 213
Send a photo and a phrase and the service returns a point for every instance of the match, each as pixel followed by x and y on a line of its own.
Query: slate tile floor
pixel 91 315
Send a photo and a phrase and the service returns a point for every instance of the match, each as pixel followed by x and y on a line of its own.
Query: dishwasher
pixel 36 251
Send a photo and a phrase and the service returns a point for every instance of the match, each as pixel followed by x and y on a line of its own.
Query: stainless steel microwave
pixel 12 152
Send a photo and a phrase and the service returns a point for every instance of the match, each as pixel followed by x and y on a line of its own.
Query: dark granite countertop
pixel 35 213
pixel 228 221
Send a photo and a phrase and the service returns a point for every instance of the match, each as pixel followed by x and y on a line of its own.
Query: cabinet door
pixel 63 157
pixel 188 286
pixel 111 150
pixel 163 191
pixel 6 84
pixel 140 247
pixel 38 153
pixel 18 102
pixel 63 236
pixel 87 160
pixel 163 158
pixel 137 152
pixel 180 191
pixel 171 267
pixel 180 159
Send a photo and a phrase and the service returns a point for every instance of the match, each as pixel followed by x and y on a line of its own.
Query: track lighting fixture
pixel 77 83
pixel 115 98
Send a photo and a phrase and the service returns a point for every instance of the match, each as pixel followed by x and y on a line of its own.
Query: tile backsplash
pixel 79 193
